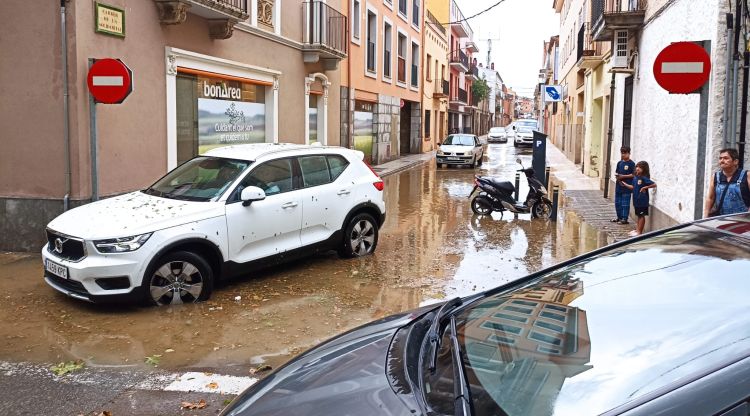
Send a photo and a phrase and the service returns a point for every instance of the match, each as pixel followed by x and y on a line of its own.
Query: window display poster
pixel 363 128
pixel 226 123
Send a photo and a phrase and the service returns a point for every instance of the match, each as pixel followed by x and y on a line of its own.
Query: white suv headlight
pixel 122 244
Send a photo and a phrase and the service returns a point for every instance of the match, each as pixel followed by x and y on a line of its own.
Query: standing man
pixel 623 174
pixel 729 192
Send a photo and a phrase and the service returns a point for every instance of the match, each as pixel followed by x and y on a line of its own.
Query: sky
pixel 521 26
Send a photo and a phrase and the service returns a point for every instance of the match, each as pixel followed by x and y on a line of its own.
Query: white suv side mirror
pixel 251 194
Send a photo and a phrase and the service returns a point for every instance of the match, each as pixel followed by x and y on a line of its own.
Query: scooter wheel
pixel 481 206
pixel 542 210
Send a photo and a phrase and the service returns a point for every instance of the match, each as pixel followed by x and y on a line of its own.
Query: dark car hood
pixel 344 376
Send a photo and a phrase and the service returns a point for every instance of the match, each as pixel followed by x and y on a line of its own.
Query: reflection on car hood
pixel 131 214
pixel 344 376
pixel 449 148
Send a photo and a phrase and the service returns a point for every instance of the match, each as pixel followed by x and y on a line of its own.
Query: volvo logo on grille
pixel 59 245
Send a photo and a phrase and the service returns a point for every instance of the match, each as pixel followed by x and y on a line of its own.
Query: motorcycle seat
pixel 502 185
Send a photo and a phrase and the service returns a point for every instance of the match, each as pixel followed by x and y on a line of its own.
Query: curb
pixel 404 167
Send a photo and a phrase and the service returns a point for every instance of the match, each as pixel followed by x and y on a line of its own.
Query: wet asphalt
pixel 431 247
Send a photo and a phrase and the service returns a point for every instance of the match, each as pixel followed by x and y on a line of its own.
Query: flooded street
pixel 431 247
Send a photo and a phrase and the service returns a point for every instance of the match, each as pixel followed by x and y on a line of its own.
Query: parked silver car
pixel 497 135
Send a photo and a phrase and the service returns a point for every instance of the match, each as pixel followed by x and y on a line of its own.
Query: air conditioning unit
pixel 620 51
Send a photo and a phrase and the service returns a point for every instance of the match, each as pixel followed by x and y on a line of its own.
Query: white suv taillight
pixel 379 185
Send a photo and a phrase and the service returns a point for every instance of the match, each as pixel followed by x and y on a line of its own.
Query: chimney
pixel 492 66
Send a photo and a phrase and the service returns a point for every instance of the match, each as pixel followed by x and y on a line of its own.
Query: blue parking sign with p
pixel 552 93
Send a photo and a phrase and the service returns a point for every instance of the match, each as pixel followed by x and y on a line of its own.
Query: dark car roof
pixel 609 330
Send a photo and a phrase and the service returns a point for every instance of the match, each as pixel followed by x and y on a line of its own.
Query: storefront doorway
pixel 405 129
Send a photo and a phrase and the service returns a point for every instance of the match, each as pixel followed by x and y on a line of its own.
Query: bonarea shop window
pixel 214 112
pixel 363 128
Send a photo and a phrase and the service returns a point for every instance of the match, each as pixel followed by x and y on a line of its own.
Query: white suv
pixel 231 210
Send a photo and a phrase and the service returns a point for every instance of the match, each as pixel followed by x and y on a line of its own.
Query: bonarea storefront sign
pixel 229 114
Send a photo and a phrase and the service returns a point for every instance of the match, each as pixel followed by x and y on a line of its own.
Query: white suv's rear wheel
pixel 360 236
pixel 179 277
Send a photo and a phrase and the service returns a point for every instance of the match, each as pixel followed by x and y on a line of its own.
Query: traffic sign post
pixel 682 68
pixel 110 81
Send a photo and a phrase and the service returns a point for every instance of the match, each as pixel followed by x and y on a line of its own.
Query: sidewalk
pixel 583 196
pixel 403 163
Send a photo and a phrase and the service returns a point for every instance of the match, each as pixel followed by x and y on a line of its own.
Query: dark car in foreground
pixel 653 325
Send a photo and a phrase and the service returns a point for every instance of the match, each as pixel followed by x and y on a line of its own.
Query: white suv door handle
pixel 344 192
pixel 289 205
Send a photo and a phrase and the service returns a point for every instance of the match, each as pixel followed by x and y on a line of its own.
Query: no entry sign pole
pixel 93 144
pixel 109 81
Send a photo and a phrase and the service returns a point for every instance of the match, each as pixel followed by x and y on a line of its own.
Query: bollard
pixel 555 197
pixel 546 177
pixel 518 184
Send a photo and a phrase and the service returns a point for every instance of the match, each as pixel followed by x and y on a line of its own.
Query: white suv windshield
pixel 199 179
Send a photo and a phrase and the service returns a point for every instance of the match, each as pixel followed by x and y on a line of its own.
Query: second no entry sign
pixel 682 67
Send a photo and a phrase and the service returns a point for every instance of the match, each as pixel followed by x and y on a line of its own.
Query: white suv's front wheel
pixel 360 236
pixel 178 277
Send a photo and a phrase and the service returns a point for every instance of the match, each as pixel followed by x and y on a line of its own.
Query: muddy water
pixel 431 247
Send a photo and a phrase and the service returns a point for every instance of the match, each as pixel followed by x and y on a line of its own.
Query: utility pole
pixel 489 49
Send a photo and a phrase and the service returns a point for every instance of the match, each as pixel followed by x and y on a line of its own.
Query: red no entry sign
pixel 110 81
pixel 682 67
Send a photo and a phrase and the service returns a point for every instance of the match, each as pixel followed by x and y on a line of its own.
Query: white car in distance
pixel 232 210
pixel 460 149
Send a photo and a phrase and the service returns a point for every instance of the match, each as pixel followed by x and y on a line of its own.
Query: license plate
pixel 56 269
pixel 454 158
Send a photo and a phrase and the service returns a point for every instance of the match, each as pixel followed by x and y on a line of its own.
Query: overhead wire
pixel 475 15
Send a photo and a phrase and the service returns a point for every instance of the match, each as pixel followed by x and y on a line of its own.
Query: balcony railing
pixel 435 23
pixel 325 29
pixel 622 14
pixel 459 57
pixel 446 87
pixel 442 89
pixel 401 69
pixel 473 72
pixel 222 14
pixel 463 96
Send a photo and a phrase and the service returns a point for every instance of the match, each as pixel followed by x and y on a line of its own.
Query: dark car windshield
pixel 459 140
pixel 200 179
pixel 599 333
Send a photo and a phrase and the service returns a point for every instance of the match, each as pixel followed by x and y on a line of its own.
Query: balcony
pixel 463 96
pixel 590 52
pixel 473 73
pixel 461 27
pixel 435 23
pixel 471 46
pixel 610 15
pixel 222 15
pixel 442 89
pixel 460 61
pixel 325 34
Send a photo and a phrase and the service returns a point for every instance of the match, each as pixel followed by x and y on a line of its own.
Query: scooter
pixel 496 195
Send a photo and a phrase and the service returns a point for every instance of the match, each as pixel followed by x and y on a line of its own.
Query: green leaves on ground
pixel 153 360
pixel 65 368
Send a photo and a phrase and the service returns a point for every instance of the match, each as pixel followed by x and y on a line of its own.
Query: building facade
pixel 462 71
pixel 381 109
pixel 616 47
pixel 435 81
pixel 206 74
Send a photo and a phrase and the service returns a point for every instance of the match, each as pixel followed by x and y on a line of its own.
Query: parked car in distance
pixel 653 325
pixel 523 136
pixel 231 210
pixel 460 149
pixel 497 135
